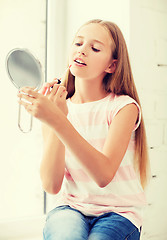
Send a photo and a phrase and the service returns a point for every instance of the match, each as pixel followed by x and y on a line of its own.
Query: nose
pixel 82 50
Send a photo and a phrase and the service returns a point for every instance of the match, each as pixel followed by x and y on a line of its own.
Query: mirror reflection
pixel 24 70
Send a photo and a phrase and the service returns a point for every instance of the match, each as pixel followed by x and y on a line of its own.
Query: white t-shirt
pixel 124 194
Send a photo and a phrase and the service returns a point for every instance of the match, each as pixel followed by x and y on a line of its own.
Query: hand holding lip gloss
pixel 56 81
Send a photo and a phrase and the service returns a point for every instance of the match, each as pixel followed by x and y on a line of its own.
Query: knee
pixel 65 224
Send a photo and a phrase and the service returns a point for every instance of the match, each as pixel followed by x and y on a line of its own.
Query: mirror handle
pixel 19 121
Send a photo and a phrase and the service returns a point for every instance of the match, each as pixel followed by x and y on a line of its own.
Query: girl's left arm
pixel 101 166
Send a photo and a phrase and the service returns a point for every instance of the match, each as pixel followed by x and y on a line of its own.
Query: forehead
pixel 95 31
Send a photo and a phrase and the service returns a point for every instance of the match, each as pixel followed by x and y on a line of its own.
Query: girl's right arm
pixel 53 161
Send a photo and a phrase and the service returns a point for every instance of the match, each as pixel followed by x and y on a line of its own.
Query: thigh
pixel 65 223
pixel 112 226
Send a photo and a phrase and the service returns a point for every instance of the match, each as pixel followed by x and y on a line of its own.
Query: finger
pixel 60 92
pixel 64 96
pixel 27 106
pixel 30 91
pixel 55 81
pixel 26 97
pixel 47 92
pixel 48 87
pixel 44 88
pixel 54 90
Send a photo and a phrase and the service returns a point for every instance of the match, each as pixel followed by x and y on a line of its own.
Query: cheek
pixel 97 60
pixel 101 62
pixel 106 60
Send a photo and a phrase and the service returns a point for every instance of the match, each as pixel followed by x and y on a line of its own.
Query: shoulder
pixel 124 100
pixel 126 105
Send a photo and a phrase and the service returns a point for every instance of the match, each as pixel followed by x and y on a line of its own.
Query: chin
pixel 78 73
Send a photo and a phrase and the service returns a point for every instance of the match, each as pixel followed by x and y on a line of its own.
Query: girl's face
pixel 91 52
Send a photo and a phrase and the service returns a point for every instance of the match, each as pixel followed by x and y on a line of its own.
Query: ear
pixel 112 67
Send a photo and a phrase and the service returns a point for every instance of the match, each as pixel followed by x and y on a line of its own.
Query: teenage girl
pixel 95 153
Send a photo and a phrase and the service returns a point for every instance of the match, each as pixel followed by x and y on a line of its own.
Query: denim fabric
pixel 66 223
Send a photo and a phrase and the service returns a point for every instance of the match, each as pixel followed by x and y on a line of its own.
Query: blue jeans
pixel 66 223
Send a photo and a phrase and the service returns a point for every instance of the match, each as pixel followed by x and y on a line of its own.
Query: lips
pixel 80 62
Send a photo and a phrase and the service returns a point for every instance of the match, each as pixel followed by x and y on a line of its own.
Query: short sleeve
pixel 119 103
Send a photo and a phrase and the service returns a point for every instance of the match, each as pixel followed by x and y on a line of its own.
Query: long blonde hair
pixel 121 82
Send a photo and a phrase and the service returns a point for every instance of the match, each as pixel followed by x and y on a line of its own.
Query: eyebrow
pixel 94 40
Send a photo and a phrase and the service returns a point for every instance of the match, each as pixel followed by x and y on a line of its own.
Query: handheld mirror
pixel 24 70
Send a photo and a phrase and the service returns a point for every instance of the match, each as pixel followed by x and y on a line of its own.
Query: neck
pixel 88 90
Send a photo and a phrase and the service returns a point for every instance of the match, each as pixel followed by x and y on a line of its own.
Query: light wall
pixel 64 19
pixel 81 11
pixel 148 49
pixel 22 24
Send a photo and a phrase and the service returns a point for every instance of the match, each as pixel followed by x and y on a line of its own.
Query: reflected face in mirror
pixel 24 69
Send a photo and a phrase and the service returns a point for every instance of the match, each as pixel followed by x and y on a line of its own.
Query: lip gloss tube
pixel 59 79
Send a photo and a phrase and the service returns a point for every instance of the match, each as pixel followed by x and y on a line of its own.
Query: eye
pixel 95 49
pixel 78 44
